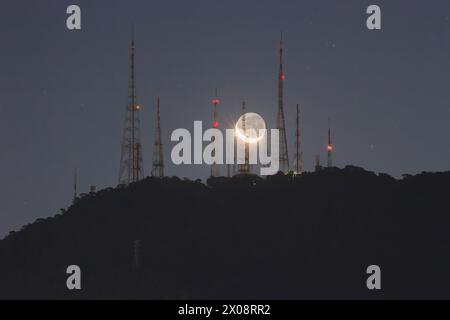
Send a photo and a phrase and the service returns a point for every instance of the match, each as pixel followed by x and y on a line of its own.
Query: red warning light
pixel 330 147
pixel 216 124
pixel 216 101
pixel 282 77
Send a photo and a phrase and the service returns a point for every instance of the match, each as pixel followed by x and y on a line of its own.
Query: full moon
pixel 253 124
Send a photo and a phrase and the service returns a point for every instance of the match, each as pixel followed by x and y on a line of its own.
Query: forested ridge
pixel 281 237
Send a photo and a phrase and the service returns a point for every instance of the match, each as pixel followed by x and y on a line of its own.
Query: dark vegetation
pixel 283 237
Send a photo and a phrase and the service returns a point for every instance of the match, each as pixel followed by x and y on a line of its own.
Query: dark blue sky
pixel 63 93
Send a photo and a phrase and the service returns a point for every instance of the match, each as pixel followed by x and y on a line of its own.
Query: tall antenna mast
pixel 330 146
pixel 298 165
pixel 244 168
pixel 158 157
pixel 281 123
pixel 215 170
pixel 131 168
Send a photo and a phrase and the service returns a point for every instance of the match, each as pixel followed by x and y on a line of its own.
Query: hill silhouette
pixel 282 237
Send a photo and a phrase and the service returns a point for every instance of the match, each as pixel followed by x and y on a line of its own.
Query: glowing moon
pixel 253 124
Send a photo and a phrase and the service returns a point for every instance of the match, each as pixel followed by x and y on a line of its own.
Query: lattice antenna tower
pixel 158 157
pixel 131 164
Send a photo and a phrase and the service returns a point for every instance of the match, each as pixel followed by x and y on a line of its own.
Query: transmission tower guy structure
pixel 244 168
pixel 298 160
pixel 158 157
pixel 329 146
pixel 215 169
pixel 281 123
pixel 131 168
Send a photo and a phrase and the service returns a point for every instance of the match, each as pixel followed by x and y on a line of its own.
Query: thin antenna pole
pixel 329 146
pixel 281 123
pixel 75 178
pixel 244 168
pixel 298 152
pixel 136 255
pixel 318 166
pixel 215 170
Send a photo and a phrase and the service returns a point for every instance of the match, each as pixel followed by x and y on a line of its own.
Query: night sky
pixel 63 93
